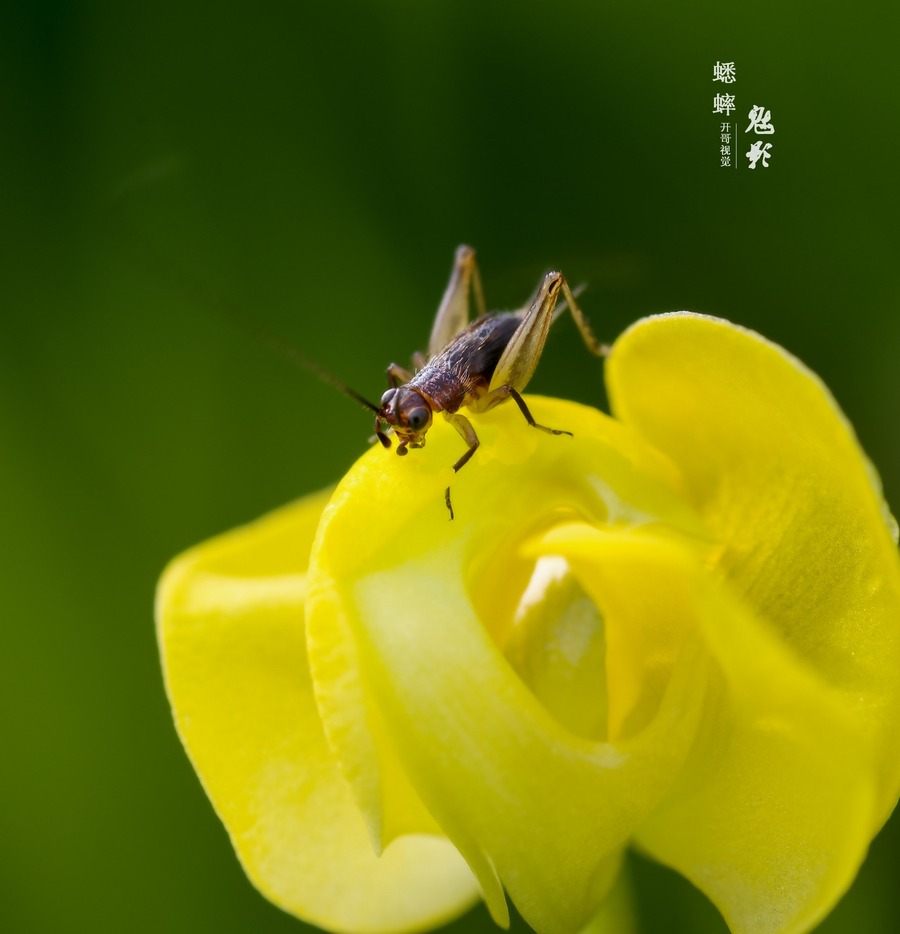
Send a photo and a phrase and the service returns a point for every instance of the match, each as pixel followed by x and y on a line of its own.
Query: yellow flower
pixel 679 629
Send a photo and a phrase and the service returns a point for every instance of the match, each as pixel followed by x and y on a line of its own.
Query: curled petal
pixel 772 816
pixel 230 623
pixel 425 609
pixel 801 756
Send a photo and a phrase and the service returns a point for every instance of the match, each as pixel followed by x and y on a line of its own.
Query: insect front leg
pixel 464 427
pixel 397 375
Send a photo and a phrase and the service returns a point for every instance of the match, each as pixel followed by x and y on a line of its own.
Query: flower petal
pixel 636 578
pixel 617 914
pixel 422 606
pixel 230 623
pixel 802 759
pixel 773 814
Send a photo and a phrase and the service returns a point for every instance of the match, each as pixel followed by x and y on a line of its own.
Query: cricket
pixel 473 366
pixel 470 366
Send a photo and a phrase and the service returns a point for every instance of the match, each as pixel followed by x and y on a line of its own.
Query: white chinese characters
pixel 723 104
pixel 761 124
pixel 760 121
pixel 724 72
pixel 725 147
pixel 759 151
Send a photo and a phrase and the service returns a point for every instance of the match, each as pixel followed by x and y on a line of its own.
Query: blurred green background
pixel 316 165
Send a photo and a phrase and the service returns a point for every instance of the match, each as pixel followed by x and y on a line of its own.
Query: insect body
pixel 474 366
pixel 470 366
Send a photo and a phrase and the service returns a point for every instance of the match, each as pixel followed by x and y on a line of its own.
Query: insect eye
pixel 417 418
pixel 388 395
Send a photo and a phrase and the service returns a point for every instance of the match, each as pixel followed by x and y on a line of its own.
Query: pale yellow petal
pixel 230 621
pixel 772 465
pixel 525 800
pixel 800 765
pixel 774 813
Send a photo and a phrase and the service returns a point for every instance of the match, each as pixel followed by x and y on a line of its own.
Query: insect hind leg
pixel 593 345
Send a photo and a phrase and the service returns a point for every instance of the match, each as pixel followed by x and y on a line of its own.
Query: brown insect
pixel 470 366
pixel 473 366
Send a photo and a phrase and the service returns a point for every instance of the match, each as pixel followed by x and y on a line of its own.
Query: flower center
pixel 557 645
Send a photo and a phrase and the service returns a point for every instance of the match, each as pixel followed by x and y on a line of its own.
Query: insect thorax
pixel 463 370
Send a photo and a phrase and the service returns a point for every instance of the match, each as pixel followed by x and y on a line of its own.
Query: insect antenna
pixel 287 350
pixel 170 272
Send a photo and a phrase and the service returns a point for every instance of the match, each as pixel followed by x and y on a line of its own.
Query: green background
pixel 316 165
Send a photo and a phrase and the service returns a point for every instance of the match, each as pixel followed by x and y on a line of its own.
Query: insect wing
pixel 520 358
